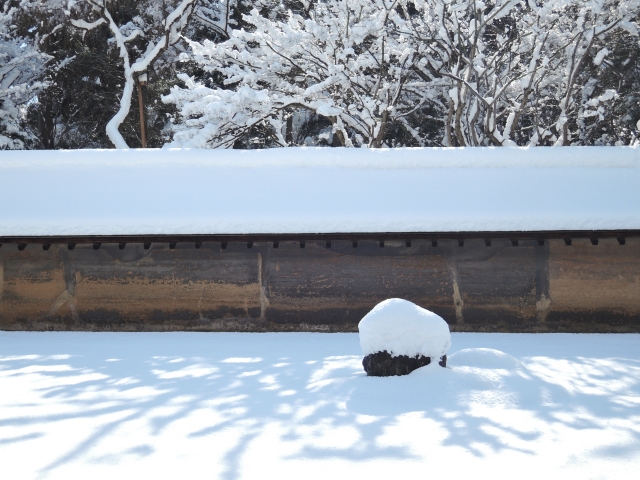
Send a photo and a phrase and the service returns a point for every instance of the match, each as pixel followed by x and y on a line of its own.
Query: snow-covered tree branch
pixel 372 73
pixel 21 68
pixel 516 70
pixel 348 62
pixel 140 42
pixel 500 72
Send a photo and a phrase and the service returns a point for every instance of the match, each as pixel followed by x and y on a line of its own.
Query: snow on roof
pixel 318 190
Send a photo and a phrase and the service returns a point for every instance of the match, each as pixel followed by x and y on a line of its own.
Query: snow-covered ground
pixel 318 190
pixel 298 406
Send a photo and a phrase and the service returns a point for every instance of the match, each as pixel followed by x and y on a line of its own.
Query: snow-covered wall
pixel 323 190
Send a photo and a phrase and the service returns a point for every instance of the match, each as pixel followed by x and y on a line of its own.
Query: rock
pixel 398 336
pixel 382 364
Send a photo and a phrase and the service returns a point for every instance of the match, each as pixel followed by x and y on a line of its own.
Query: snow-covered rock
pixel 398 336
pixel 403 328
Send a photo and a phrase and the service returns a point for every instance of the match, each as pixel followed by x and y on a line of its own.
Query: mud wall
pixel 502 287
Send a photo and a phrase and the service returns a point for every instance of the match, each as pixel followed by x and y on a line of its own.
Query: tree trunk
pixel 143 135
pixel 289 131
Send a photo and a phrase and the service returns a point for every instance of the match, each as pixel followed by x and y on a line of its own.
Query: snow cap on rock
pixel 403 328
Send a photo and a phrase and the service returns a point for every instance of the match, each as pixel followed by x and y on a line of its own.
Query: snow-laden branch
pixel 22 68
pixel 161 29
pixel 497 72
pixel 79 23
pixel 335 63
pixel 504 79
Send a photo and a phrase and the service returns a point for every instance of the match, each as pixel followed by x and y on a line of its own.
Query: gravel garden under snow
pixel 298 405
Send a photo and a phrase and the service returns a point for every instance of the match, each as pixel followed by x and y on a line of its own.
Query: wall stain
pixel 68 296
pixel 454 272
pixel 543 300
pixel 1 278
pixel 263 282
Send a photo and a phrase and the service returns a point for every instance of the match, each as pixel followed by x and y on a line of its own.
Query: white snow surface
pixel 318 190
pixel 237 405
pixel 401 327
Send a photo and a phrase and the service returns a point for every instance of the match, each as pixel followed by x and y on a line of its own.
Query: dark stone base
pixel 382 364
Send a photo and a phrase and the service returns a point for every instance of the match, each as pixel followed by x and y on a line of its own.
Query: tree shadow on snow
pixel 301 395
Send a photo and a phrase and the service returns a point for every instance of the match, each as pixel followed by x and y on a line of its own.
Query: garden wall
pixel 322 287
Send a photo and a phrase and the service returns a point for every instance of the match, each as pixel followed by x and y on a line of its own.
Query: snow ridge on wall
pixel 318 190
pixel 310 157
